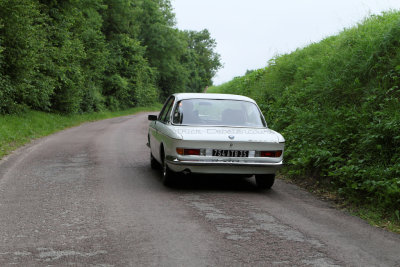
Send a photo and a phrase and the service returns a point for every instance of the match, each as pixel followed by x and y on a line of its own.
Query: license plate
pixel 230 153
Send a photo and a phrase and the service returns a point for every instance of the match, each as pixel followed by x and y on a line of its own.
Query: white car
pixel 214 133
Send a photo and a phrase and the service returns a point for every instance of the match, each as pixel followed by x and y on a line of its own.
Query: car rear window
pixel 217 112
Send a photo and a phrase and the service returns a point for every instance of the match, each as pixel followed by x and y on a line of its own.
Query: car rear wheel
pixel 167 175
pixel 265 181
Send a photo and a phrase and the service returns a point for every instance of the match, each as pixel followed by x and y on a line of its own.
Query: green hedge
pixel 85 56
pixel 337 103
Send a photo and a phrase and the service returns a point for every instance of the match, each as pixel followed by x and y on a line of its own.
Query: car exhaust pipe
pixel 186 171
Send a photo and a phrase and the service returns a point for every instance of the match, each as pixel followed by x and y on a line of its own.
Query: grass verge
pixel 17 130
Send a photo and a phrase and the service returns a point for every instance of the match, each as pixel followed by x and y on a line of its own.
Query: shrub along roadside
pixel 337 103
pixel 92 55
pixel 17 130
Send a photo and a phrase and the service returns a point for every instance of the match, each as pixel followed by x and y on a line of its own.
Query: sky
pixel 251 32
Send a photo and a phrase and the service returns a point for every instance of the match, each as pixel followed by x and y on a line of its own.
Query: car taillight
pixel 194 152
pixel 188 151
pixel 271 154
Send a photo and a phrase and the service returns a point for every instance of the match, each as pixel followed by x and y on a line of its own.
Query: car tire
pixel 167 174
pixel 153 162
pixel 265 181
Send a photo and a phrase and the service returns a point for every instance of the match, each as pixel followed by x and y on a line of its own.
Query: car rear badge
pixel 231 137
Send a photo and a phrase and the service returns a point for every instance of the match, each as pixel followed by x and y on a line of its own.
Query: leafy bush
pixel 22 48
pixel 83 56
pixel 337 102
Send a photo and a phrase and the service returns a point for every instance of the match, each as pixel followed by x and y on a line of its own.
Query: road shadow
pixel 212 183
pixel 208 182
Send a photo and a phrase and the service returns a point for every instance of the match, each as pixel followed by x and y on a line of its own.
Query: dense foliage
pixel 337 103
pixel 74 56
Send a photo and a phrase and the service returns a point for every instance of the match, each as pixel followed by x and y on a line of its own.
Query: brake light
pixel 188 151
pixel 195 152
pixel 271 154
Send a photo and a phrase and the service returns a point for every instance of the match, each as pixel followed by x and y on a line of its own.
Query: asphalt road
pixel 87 196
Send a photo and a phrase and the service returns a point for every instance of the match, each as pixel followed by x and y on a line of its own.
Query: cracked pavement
pixel 86 196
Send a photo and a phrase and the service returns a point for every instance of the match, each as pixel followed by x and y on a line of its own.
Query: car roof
pixel 181 96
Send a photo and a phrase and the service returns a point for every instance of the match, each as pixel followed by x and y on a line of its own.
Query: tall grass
pixel 17 130
pixel 337 102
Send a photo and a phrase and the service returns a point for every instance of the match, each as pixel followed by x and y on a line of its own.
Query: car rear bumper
pixel 223 166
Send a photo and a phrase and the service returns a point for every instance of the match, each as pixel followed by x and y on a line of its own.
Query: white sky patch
pixel 251 32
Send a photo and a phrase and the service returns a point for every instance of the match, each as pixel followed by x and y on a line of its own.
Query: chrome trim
pixel 175 161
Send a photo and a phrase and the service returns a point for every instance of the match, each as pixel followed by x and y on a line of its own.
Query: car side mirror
pixel 152 117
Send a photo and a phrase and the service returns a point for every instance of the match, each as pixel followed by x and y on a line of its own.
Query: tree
pixel 74 56
pixel 165 45
pixel 129 80
pixel 200 60
pixel 78 54
pixel 23 55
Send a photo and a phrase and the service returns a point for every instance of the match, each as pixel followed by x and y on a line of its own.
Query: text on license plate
pixel 230 153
